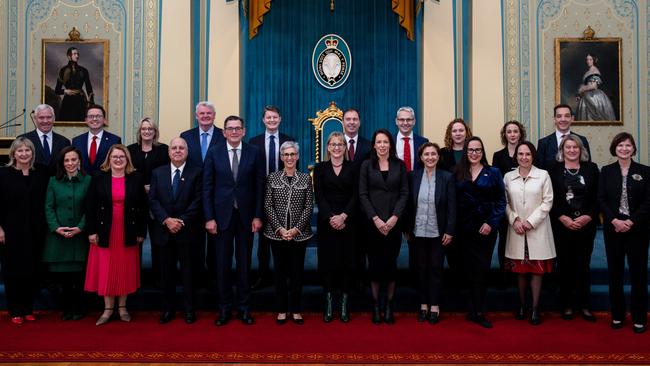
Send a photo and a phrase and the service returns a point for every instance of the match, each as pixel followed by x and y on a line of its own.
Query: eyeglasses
pixel 119 157
pixel 405 119
pixel 234 129
pixel 475 151
pixel 94 116
pixel 290 155
pixel 336 145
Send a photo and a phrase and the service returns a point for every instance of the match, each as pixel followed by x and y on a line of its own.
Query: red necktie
pixel 407 153
pixel 92 154
pixel 351 150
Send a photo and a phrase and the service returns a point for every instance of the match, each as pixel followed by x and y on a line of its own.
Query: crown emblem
pixel 331 43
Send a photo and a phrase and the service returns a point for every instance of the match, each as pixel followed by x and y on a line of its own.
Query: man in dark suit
pixel 95 143
pixel 47 143
pixel 358 151
pixel 268 144
pixel 233 185
pixel 175 202
pixel 407 142
pixel 204 136
pixel 547 146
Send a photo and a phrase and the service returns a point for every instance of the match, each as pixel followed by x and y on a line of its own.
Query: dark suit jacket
pixel 547 150
pixel 193 139
pixel 220 188
pixel 258 141
pixel 186 206
pixel 447 160
pixel 58 143
pixel 383 198
pixel 99 214
pixel 502 161
pixel 445 201
pixel 362 151
pixel 638 193
pixel 81 143
pixel 417 142
pixel 589 171
pixel 158 156
pixel 336 194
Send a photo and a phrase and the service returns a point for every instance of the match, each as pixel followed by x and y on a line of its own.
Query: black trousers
pixel 382 255
pixel 170 255
pixel 72 287
pixel 20 291
pixel 289 265
pixel 263 256
pixel 336 257
pixel 634 246
pixel 501 247
pixel 574 248
pixel 235 239
pixel 428 257
pixel 477 252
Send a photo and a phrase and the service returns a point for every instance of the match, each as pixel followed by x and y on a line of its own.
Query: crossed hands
pixel 385 227
pixel 521 227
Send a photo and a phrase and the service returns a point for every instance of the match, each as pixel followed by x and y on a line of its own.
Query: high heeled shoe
pixel 389 317
pixel 124 315
pixel 535 318
pixel 345 314
pixel 105 318
pixel 376 313
pixel 328 315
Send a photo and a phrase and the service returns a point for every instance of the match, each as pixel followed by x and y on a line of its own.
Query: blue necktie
pixel 272 154
pixel 46 149
pixel 176 182
pixel 204 145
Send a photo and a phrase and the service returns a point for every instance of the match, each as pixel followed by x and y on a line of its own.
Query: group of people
pixel 81 210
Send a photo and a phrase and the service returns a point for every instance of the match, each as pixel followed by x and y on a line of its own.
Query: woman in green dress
pixel 66 250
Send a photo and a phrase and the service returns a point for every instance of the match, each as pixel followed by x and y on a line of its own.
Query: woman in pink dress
pixel 116 226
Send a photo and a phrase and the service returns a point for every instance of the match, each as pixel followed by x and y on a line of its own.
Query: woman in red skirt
pixel 529 247
pixel 116 225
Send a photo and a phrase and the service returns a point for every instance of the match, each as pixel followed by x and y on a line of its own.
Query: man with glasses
pixel 47 143
pixel 233 185
pixel 95 143
pixel 268 143
pixel 407 142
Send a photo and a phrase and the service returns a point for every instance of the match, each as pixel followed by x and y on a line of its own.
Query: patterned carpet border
pixel 551 358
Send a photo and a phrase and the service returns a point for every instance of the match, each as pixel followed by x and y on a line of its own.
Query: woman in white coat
pixel 529 248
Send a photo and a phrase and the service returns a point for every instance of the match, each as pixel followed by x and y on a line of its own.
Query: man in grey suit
pixel 547 146
pixel 46 142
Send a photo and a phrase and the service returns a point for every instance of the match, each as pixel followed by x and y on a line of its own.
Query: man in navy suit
pixel 233 185
pixel 95 143
pixel 175 202
pixel 204 136
pixel 547 146
pixel 407 142
pixel 268 144
pixel 47 143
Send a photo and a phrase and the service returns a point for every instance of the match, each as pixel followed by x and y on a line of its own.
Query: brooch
pixel 637 177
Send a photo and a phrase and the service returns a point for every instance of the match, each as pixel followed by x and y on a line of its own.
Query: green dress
pixel 65 206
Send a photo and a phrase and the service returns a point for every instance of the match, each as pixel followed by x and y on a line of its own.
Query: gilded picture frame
pixel 70 88
pixel 588 77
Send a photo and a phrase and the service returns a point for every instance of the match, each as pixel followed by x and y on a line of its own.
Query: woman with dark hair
pixel 66 249
pixel 457 132
pixel 22 227
pixel 593 103
pixel 116 226
pixel 336 187
pixel 512 133
pixel 431 226
pixel 624 199
pixel 530 248
pixel 481 204
pixel 383 192
pixel 574 217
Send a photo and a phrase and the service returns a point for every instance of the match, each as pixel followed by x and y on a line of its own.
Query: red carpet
pixel 453 340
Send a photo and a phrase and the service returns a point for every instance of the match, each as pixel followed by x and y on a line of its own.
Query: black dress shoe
pixel 567 315
pixel 480 320
pixel 246 317
pixel 589 316
pixel 616 325
pixel 376 314
pixel 434 317
pixel 166 317
pixel 638 330
pixel 422 315
pixel 190 317
pixel 67 316
pixel 389 317
pixel 535 319
pixel 223 319
pixel 78 316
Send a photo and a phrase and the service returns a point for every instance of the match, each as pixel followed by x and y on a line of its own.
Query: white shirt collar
pixel 400 136
pixel 181 168
pixel 355 138
pixel 210 131
pixel 49 135
pixel 99 135
pixel 238 147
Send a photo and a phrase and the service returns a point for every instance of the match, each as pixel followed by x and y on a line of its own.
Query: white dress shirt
pixel 98 141
pixel 49 135
pixel 399 145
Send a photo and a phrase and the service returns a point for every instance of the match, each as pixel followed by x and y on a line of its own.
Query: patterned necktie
pixel 407 153
pixel 92 154
pixel 271 154
pixel 176 182
pixel 46 149
pixel 204 145
pixel 351 150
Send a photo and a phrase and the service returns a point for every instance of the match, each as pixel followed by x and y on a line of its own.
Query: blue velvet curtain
pixel 276 66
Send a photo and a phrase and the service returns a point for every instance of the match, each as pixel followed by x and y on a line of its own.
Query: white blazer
pixel 530 200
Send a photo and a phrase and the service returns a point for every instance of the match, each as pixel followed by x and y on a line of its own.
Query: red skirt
pixel 534 266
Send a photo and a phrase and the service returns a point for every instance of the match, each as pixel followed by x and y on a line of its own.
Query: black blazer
pixel 99 214
pixel 638 193
pixel 58 143
pixel 589 172
pixel 547 150
pixel 445 201
pixel 336 194
pixel 383 198
pixel 361 151
pixel 193 139
pixel 81 143
pixel 186 206
pixel 447 160
pixel 261 146
pixel 502 161
pixel 158 156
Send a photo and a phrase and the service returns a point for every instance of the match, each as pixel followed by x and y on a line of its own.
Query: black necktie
pixel 271 154
pixel 46 149
pixel 176 182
